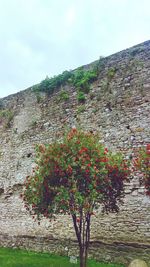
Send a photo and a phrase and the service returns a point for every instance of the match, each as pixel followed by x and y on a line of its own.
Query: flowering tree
pixel 143 163
pixel 74 177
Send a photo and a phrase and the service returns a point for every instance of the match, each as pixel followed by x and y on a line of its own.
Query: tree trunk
pixel 82 230
pixel 83 257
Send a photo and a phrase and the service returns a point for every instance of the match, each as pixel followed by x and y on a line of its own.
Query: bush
pixel 111 73
pixel 81 97
pixel 7 115
pixel 1 104
pixel 83 86
pixel 63 95
pixel 82 79
pixel 50 84
pixel 91 75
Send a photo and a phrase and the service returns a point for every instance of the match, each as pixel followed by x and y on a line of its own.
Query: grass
pixel 21 258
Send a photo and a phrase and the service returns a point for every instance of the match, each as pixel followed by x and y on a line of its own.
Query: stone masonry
pixel 117 107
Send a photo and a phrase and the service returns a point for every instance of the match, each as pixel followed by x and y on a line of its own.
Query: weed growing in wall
pixel 81 97
pixel 111 73
pixel 80 79
pixel 1 104
pixel 6 115
pixel 81 109
pixel 63 95
pixel 50 84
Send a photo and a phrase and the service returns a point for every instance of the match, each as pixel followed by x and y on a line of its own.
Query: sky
pixel 46 37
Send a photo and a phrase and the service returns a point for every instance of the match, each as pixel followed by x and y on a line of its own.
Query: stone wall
pixel 118 108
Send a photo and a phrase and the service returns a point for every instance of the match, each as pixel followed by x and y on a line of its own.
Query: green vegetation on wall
pixel 1 104
pixel 80 79
pixel 81 109
pixel 63 95
pixel 81 97
pixel 111 73
pixel 6 115
pixel 50 84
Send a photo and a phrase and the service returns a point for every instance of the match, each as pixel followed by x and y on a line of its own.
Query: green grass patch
pixel 21 258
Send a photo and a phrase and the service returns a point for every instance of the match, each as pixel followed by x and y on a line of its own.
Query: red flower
pixel 104 160
pixel 78 220
pixel 148 147
pixel 69 170
pixel 105 150
pixel 84 149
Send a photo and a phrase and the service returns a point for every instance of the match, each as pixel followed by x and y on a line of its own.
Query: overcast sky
pixel 46 37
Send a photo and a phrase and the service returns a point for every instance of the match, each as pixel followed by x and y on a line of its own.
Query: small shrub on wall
pixel 6 115
pixel 63 95
pixel 81 97
pixel 1 104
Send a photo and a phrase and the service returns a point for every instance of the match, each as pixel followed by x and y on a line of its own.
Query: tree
pixel 75 177
pixel 143 164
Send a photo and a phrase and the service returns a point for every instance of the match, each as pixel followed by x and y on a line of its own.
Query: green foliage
pixel 91 75
pixel 80 78
pixel 78 75
pixel 63 95
pixel 81 109
pixel 35 88
pixel 7 115
pixel 23 258
pixel 50 84
pixel 111 73
pixel 1 104
pixel 81 97
pixel 83 86
pixel 83 78
pixel 143 164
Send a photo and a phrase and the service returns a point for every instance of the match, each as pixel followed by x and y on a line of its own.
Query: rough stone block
pixel 138 263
